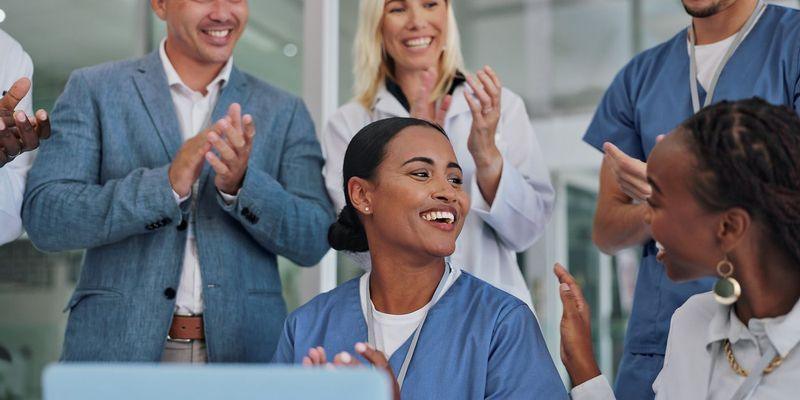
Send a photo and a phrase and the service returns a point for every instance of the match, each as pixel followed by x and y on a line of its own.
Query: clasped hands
pixel 231 139
pixel 19 132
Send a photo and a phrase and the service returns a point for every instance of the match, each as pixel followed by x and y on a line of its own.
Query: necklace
pixel 775 363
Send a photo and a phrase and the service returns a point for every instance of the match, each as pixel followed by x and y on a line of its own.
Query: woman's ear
pixel 734 225
pixel 360 192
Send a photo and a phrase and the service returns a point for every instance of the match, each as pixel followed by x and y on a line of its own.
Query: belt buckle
pixel 176 340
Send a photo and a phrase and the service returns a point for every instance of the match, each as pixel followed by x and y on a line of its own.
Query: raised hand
pixel 484 102
pixel 421 103
pixel 577 353
pixel 232 138
pixel 19 132
pixel 630 173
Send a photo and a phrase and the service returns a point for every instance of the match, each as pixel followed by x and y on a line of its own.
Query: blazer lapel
pixel 154 91
pixel 235 91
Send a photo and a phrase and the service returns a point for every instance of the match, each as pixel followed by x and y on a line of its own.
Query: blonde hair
pixel 370 67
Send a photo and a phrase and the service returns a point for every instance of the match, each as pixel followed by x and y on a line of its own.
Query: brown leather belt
pixel 186 328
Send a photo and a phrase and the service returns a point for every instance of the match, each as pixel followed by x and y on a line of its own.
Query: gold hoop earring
pixel 727 289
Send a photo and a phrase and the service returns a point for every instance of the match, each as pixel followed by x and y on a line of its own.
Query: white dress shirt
pixel 14 64
pixel 194 115
pixel 492 235
pixel 392 330
pixel 696 366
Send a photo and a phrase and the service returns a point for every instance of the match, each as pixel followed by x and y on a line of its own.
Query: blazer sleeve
pixel 519 364
pixel 66 205
pixel 524 200
pixel 288 215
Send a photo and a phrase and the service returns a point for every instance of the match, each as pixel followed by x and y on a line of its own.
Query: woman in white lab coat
pixel 408 63
pixel 725 203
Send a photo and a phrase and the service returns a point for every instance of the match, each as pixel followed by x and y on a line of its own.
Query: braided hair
pixel 747 154
pixel 364 154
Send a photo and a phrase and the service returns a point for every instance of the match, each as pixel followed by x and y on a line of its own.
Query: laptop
pixel 84 381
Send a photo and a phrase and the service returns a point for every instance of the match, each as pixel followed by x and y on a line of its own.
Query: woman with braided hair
pixel 725 203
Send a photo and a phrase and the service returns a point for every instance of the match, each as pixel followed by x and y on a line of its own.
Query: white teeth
pixel 439 215
pixel 418 42
pixel 219 33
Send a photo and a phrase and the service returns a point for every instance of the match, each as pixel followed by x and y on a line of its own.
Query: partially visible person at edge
pixel 20 132
pixel 725 203
pixel 407 62
pixel 446 333
pixel 737 49
pixel 184 178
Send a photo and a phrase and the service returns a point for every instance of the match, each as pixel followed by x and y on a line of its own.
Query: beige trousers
pixel 193 352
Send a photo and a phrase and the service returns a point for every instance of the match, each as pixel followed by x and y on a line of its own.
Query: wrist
pixel 490 161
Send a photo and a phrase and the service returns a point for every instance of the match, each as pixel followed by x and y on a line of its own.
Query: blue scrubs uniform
pixel 477 342
pixel 651 96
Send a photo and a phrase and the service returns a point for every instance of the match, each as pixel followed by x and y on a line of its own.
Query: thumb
pixel 14 95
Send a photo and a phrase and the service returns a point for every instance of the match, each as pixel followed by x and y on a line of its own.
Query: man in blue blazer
pixel 184 178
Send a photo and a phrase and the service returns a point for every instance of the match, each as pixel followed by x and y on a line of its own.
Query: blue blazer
pixel 101 184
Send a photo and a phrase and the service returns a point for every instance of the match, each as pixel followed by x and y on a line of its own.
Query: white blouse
pixel 492 234
pixel 694 370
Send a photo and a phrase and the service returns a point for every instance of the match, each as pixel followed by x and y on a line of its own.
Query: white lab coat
pixel 492 235
pixel 14 64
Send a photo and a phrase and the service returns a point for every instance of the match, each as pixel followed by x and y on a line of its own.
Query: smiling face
pixel 416 200
pixel 414 32
pixel 205 31
pixel 687 232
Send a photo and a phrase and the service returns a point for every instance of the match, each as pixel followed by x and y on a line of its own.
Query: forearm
pixel 521 209
pixel 61 214
pixel 292 225
pixel 618 226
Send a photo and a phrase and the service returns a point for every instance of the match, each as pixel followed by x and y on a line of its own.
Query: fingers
pixel 27 132
pixel 222 146
pixel 490 87
pixel 571 293
pixel 235 116
pixel 631 174
pixel 372 355
pixel 249 129
pixel 317 356
pixel 15 94
pixel 42 124
pixel 480 93
pixel 344 359
pixel 441 112
pixel 474 107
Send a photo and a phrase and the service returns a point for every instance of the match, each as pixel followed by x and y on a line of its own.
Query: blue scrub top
pixel 651 96
pixel 478 342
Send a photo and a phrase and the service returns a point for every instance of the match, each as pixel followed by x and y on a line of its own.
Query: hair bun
pixel 347 233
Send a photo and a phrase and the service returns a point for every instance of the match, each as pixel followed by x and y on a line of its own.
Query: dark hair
pixel 364 154
pixel 747 155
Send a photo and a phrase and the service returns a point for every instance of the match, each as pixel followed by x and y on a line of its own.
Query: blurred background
pixel 559 55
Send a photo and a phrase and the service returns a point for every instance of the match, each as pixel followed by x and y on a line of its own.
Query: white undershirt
pixel 392 330
pixel 709 56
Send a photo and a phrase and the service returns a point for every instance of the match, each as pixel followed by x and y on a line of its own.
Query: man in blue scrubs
pixel 733 49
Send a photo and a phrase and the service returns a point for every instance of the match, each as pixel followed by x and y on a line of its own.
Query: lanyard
pixel 693 59
pixel 371 321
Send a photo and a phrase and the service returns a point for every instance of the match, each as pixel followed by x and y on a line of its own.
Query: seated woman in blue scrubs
pixel 447 334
